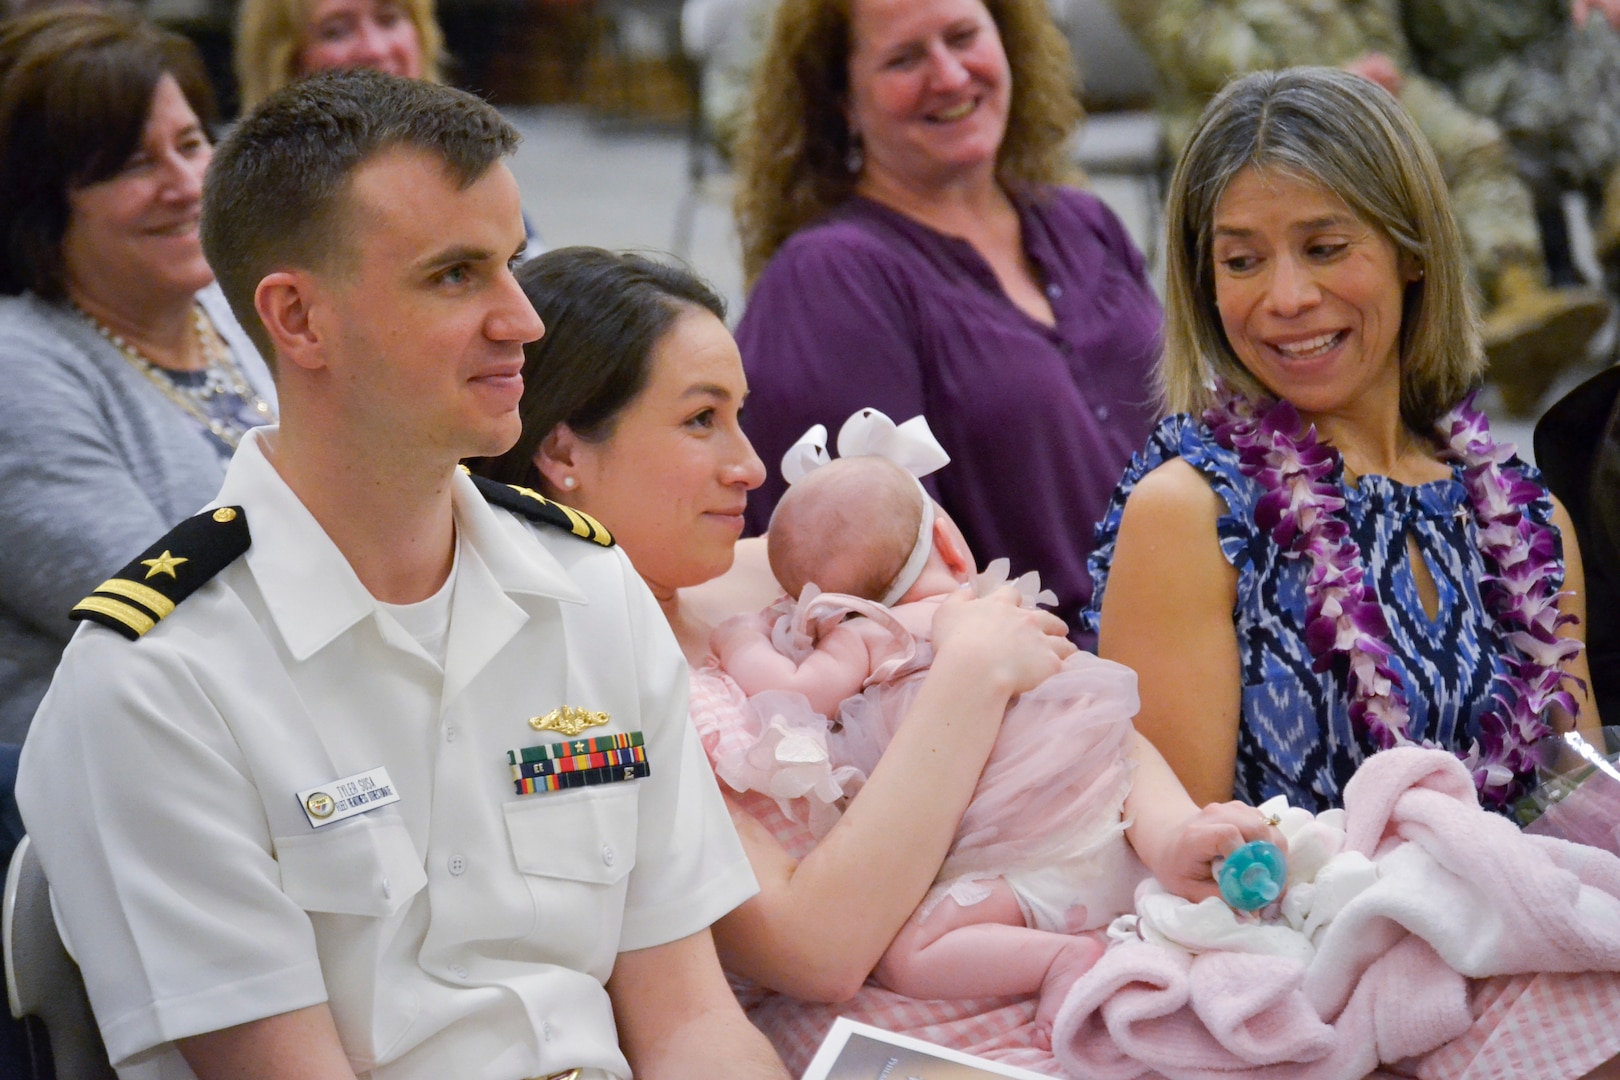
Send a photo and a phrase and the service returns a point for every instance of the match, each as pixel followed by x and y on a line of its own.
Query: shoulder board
pixel 133 600
pixel 526 502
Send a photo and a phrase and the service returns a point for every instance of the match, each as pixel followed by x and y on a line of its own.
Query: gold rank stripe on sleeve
pixel 528 503
pixel 146 591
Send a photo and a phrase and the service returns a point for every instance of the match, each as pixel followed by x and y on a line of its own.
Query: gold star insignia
pixel 163 564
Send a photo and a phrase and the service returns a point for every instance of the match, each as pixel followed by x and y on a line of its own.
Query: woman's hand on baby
pixel 1205 838
pixel 1012 647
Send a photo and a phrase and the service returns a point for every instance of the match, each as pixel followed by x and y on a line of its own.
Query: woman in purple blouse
pixel 912 248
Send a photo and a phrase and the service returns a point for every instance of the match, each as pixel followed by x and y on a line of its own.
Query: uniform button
pixel 458 865
pixel 450 734
pixel 607 855
pixel 388 889
pixel 1054 291
pixel 1102 412
pixel 458 971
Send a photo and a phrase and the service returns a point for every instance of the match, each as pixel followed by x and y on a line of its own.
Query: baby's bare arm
pixel 835 669
pixel 1178 842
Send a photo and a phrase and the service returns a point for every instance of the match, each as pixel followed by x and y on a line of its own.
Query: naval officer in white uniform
pixel 369 769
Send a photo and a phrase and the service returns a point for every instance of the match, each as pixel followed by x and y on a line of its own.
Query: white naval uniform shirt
pixel 464 931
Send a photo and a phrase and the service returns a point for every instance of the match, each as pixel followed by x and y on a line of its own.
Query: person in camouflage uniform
pixel 1548 72
pixel 1532 331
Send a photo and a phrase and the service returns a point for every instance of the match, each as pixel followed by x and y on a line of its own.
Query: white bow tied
pixel 868 433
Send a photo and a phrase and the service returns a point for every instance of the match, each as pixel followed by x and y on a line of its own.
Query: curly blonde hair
pixel 270 33
pixel 792 149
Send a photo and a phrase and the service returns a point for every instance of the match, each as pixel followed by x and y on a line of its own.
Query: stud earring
pixel 569 483
pixel 855 156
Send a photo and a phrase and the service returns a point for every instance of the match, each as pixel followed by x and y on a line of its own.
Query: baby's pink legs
pixel 985 950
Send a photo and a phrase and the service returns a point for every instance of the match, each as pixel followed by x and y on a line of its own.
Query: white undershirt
pixel 428 621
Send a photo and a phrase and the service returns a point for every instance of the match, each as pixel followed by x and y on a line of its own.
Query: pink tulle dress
pixel 1001 1029
pixel 1046 815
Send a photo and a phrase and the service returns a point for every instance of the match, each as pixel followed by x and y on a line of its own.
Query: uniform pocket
pixel 364 866
pixel 587 835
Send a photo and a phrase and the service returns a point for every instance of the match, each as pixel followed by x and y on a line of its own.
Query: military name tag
pixel 347 797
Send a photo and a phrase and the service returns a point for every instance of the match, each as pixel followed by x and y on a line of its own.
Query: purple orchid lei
pixel 1344 624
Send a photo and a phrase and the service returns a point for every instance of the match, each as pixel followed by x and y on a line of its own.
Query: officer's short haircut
pixel 276 194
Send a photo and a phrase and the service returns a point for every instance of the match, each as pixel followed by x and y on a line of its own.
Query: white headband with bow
pixel 869 433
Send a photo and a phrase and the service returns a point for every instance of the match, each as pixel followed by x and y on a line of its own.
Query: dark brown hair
pixel 275 196
pixel 604 312
pixel 76 89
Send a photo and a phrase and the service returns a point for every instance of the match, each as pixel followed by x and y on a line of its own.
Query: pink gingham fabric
pixel 1527 1027
pixel 1547 1025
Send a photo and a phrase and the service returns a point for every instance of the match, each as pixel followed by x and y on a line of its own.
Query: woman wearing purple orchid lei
pixel 1325 553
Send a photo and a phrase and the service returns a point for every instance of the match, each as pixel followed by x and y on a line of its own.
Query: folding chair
pixel 43 984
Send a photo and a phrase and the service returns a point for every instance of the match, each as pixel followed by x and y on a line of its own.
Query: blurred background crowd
pixel 630 109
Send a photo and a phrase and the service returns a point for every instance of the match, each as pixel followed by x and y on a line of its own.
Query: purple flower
pixel 1300 511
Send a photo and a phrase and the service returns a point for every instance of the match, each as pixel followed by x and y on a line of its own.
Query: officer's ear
pixel 282 301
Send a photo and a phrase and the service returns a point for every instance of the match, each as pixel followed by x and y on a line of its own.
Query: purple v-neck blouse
pixel 868 307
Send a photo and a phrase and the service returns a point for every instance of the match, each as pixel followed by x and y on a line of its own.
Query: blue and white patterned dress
pixel 1295 737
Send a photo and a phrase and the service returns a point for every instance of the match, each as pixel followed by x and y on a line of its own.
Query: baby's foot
pixel 1073 961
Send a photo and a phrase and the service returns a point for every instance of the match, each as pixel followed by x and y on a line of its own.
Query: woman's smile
pixel 1313 347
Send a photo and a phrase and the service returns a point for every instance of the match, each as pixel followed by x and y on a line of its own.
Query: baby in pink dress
pixel 1042 852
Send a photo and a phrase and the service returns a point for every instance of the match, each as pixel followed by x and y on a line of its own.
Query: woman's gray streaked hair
pixel 1341 131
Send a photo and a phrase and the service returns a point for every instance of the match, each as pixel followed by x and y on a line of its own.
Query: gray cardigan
pixel 95 465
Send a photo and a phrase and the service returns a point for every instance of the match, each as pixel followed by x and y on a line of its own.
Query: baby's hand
pixel 736 632
pixel 1016 647
pixel 1205 838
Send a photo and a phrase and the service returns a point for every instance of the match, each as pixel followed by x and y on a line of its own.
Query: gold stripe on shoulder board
pixel 137 620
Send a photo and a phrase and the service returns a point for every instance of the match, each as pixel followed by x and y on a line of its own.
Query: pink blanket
pixel 1460 893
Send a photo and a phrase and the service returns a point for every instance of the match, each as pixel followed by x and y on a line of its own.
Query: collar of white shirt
pixel 309 587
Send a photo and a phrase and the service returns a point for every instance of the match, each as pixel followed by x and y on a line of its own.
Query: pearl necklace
pixel 221 378
pixel 1345 628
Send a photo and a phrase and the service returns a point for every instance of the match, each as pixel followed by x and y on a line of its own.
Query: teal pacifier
pixel 1253 876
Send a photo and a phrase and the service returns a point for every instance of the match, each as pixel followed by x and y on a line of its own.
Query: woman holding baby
pixel 631 410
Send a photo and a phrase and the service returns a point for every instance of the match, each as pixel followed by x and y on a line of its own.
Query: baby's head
pixel 851 525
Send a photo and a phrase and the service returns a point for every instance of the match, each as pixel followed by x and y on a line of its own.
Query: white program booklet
pixel 854 1051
